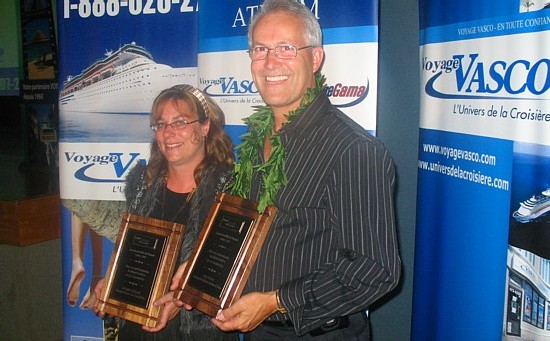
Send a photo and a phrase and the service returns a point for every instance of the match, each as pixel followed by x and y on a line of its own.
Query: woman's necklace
pixel 272 171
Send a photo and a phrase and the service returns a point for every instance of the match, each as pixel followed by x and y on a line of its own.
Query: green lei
pixel 273 174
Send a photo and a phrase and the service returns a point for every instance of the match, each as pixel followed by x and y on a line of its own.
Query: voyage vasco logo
pixel 88 163
pixel 228 86
pixel 475 78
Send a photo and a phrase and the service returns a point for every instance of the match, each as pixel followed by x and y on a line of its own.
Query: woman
pixel 191 159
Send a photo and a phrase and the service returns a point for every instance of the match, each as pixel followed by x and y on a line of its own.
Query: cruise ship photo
pixel 124 81
pixel 529 217
pixel 533 208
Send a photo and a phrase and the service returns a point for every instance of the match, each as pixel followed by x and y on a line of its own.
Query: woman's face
pixel 181 145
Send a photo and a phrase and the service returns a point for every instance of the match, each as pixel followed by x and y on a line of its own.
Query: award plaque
pixel 224 254
pixel 141 268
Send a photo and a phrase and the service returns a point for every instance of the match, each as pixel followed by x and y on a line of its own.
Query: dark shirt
pixel 332 248
pixel 172 206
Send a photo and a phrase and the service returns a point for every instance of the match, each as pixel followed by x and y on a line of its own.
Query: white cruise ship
pixel 125 81
pixel 533 208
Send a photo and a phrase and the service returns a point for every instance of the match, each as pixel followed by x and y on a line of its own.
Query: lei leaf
pixel 272 171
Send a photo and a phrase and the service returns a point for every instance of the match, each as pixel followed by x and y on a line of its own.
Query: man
pixel 331 250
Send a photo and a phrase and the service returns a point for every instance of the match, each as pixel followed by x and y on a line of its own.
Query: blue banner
pixel 115 57
pixel 482 268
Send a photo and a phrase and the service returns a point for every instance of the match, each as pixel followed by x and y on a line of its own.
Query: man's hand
pixel 247 312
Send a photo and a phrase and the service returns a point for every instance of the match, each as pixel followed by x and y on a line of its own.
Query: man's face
pixel 283 82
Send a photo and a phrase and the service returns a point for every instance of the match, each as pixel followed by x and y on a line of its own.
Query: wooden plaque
pixel 224 254
pixel 141 268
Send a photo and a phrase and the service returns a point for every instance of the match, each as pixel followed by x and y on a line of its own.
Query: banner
pixel 350 38
pixel 482 269
pixel 115 57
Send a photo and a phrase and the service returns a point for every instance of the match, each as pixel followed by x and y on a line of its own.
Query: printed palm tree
pixel 527 3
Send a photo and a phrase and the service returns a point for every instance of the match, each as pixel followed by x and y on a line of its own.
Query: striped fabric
pixel 332 249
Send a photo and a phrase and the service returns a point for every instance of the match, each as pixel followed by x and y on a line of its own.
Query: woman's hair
pixel 218 145
pixel 312 29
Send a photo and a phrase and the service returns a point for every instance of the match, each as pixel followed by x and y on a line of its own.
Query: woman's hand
pixel 168 311
pixel 176 283
pixel 170 305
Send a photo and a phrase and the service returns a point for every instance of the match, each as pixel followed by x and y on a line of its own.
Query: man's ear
pixel 318 55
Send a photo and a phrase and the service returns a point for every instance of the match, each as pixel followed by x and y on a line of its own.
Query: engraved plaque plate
pixel 141 268
pixel 224 255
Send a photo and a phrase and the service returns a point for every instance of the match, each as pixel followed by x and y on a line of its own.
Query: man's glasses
pixel 259 52
pixel 174 125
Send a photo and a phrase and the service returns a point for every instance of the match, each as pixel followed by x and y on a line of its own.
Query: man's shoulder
pixel 326 122
pixel 338 123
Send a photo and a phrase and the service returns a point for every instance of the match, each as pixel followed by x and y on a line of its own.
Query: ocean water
pixel 104 127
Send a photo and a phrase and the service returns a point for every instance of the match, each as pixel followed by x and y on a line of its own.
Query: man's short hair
pixel 312 29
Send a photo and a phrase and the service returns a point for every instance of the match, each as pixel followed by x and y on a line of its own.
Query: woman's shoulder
pixel 135 180
pixel 136 173
pixel 219 173
pixel 215 178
